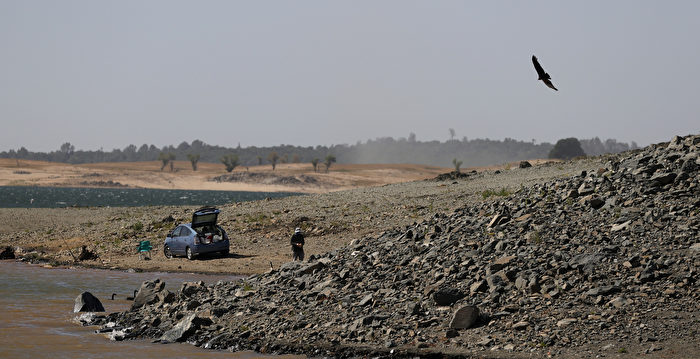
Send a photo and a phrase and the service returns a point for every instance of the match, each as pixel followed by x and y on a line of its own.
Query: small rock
pixel 620 227
pixel 521 325
pixel 619 302
pixel 485 341
pixel 447 296
pixel 464 317
pixel 501 263
pixel 184 329
pixel 662 179
pixel 366 300
pixel 603 290
pixel 565 322
pixel 479 286
pixel 596 202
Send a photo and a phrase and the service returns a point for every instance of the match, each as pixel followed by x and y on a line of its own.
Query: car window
pixel 185 231
pixel 176 232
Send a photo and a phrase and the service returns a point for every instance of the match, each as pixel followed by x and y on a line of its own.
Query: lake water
pixel 56 197
pixel 37 319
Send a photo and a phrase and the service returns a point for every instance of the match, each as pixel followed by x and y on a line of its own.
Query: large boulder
pixel 86 302
pixel 148 293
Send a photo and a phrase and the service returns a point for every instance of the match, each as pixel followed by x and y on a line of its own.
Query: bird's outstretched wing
pixel 540 71
pixel 541 74
pixel 549 84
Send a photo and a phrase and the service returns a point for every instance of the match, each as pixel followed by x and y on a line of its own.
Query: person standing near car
pixel 297 243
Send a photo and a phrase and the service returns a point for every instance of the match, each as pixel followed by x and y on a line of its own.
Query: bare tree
pixel 457 164
pixel 273 157
pixel 330 159
pixel 194 158
pixel 452 134
pixel 164 158
pixel 67 150
pixel 171 157
pixel 230 161
pixel 314 162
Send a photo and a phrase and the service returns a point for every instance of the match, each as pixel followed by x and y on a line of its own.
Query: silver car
pixel 201 236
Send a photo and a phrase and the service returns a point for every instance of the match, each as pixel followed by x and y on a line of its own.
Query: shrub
pixel 566 149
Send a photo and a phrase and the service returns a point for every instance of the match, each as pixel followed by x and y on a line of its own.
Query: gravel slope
pixel 603 262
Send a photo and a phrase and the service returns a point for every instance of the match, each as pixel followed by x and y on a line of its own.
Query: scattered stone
pixel 566 322
pixel 603 290
pixel 447 296
pixel 366 300
pixel 521 325
pixel 485 341
pixel 501 263
pixel 619 302
pixel 465 317
pixel 147 293
pixel 620 227
pixel 184 329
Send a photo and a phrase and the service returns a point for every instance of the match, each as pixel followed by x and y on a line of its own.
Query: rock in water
pixel 464 317
pixel 86 302
pixel 147 293
pixel 7 253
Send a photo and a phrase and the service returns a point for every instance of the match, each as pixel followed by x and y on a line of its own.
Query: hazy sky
pixel 112 73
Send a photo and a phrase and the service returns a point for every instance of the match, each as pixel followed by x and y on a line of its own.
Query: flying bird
pixel 542 75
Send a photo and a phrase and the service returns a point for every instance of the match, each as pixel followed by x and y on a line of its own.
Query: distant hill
pixel 472 153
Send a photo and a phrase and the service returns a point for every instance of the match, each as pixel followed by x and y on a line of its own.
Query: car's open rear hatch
pixel 206 216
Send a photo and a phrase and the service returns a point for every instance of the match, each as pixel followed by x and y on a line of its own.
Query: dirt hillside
pixel 297 177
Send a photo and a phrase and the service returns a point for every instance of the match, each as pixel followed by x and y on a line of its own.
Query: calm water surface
pixel 37 320
pixel 59 197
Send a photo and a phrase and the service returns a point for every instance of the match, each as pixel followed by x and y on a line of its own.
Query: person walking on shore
pixel 297 243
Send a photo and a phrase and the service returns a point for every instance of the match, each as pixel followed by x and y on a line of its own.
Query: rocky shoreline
pixel 602 262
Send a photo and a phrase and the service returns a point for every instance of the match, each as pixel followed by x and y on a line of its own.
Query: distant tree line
pixel 469 153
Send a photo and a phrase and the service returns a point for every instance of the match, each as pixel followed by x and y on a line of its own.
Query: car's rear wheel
pixel 168 253
pixel 189 254
pixel 224 253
